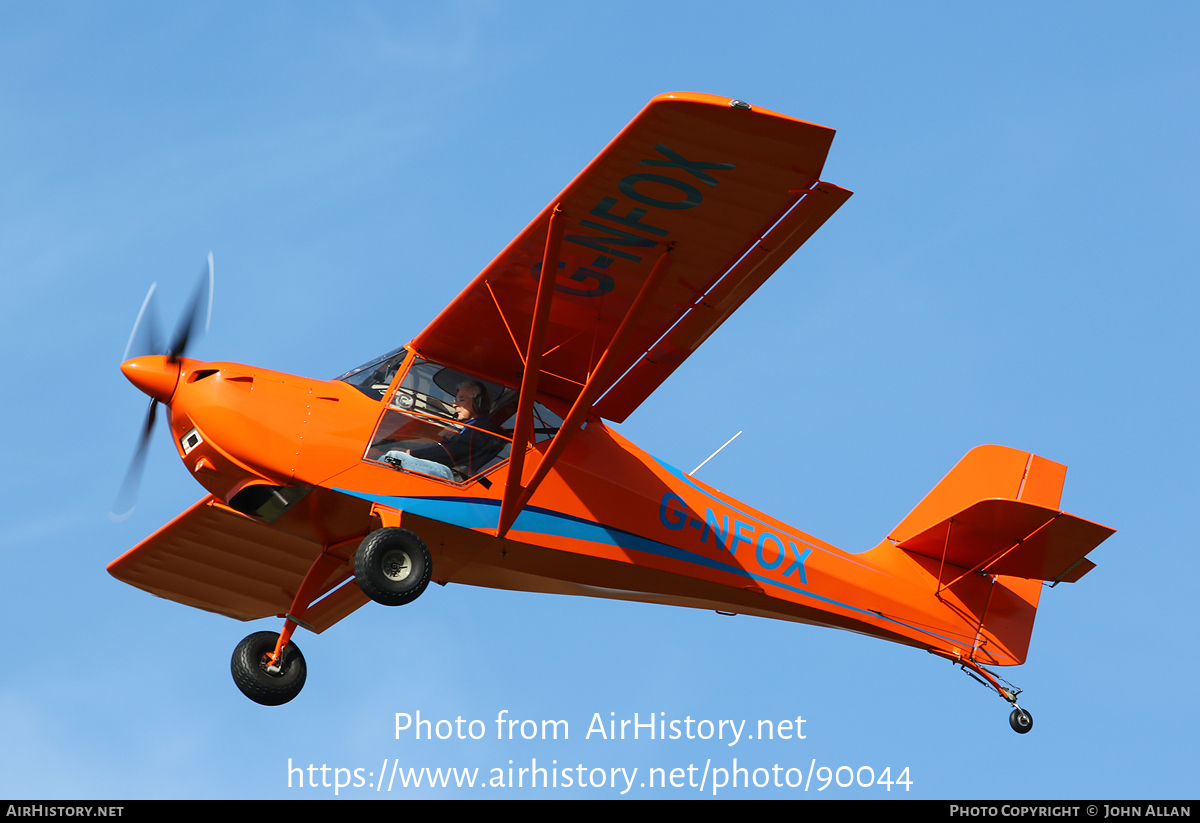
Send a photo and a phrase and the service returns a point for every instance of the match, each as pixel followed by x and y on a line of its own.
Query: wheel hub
pixel 397 566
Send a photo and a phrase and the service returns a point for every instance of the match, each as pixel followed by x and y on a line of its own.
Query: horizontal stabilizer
pixel 1013 538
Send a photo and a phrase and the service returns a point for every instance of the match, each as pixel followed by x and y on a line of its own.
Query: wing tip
pixel 721 101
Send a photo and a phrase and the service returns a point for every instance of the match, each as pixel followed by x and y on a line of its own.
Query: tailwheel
pixel 392 566
pixel 261 679
pixel 1020 720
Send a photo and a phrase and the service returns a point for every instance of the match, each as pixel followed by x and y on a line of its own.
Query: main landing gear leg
pixel 1020 719
pixel 269 668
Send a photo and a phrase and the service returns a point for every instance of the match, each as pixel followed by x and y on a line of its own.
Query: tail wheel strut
pixel 1020 719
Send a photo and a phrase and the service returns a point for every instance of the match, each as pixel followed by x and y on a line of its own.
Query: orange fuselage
pixel 608 521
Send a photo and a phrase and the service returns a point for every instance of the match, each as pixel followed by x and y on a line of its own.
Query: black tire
pixel 1021 721
pixel 392 566
pixel 250 673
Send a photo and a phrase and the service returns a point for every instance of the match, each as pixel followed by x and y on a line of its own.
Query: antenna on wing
pixel 714 454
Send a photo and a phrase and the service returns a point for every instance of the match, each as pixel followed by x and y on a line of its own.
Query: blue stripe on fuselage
pixel 484 513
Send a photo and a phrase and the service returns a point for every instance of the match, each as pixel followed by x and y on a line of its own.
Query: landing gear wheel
pixel 252 675
pixel 392 566
pixel 1020 720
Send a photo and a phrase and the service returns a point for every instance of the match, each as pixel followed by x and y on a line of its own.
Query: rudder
pixel 997 513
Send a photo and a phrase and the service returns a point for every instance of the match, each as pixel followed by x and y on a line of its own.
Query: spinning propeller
pixel 155 370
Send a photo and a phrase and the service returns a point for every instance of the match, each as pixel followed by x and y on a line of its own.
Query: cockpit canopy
pixel 434 426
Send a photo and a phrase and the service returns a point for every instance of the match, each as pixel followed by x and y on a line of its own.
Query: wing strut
pixel 533 362
pixel 582 407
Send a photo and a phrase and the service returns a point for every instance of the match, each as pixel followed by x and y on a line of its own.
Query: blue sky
pixel 1017 266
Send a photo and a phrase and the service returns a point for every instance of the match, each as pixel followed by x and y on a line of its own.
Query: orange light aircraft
pixel 479 453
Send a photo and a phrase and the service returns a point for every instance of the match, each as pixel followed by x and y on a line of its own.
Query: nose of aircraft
pixel 154 374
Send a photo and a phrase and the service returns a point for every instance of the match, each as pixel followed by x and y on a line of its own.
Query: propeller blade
pixel 127 496
pixel 200 307
pixel 145 339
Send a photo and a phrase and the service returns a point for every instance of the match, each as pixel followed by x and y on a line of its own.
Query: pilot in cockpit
pixel 466 451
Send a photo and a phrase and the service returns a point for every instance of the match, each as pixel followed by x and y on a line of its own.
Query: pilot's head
pixel 471 400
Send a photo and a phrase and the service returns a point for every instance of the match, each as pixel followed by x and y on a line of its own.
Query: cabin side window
pixel 446 424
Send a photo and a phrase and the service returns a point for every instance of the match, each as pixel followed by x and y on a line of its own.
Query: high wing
pixel 729 189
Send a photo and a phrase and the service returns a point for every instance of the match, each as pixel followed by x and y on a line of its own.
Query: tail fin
pixel 986 472
pixel 996 513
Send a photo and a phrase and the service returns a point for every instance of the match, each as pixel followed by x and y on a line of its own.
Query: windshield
pixel 373 378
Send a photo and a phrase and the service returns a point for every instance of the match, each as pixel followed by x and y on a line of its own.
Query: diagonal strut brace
pixel 586 399
pixel 522 430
